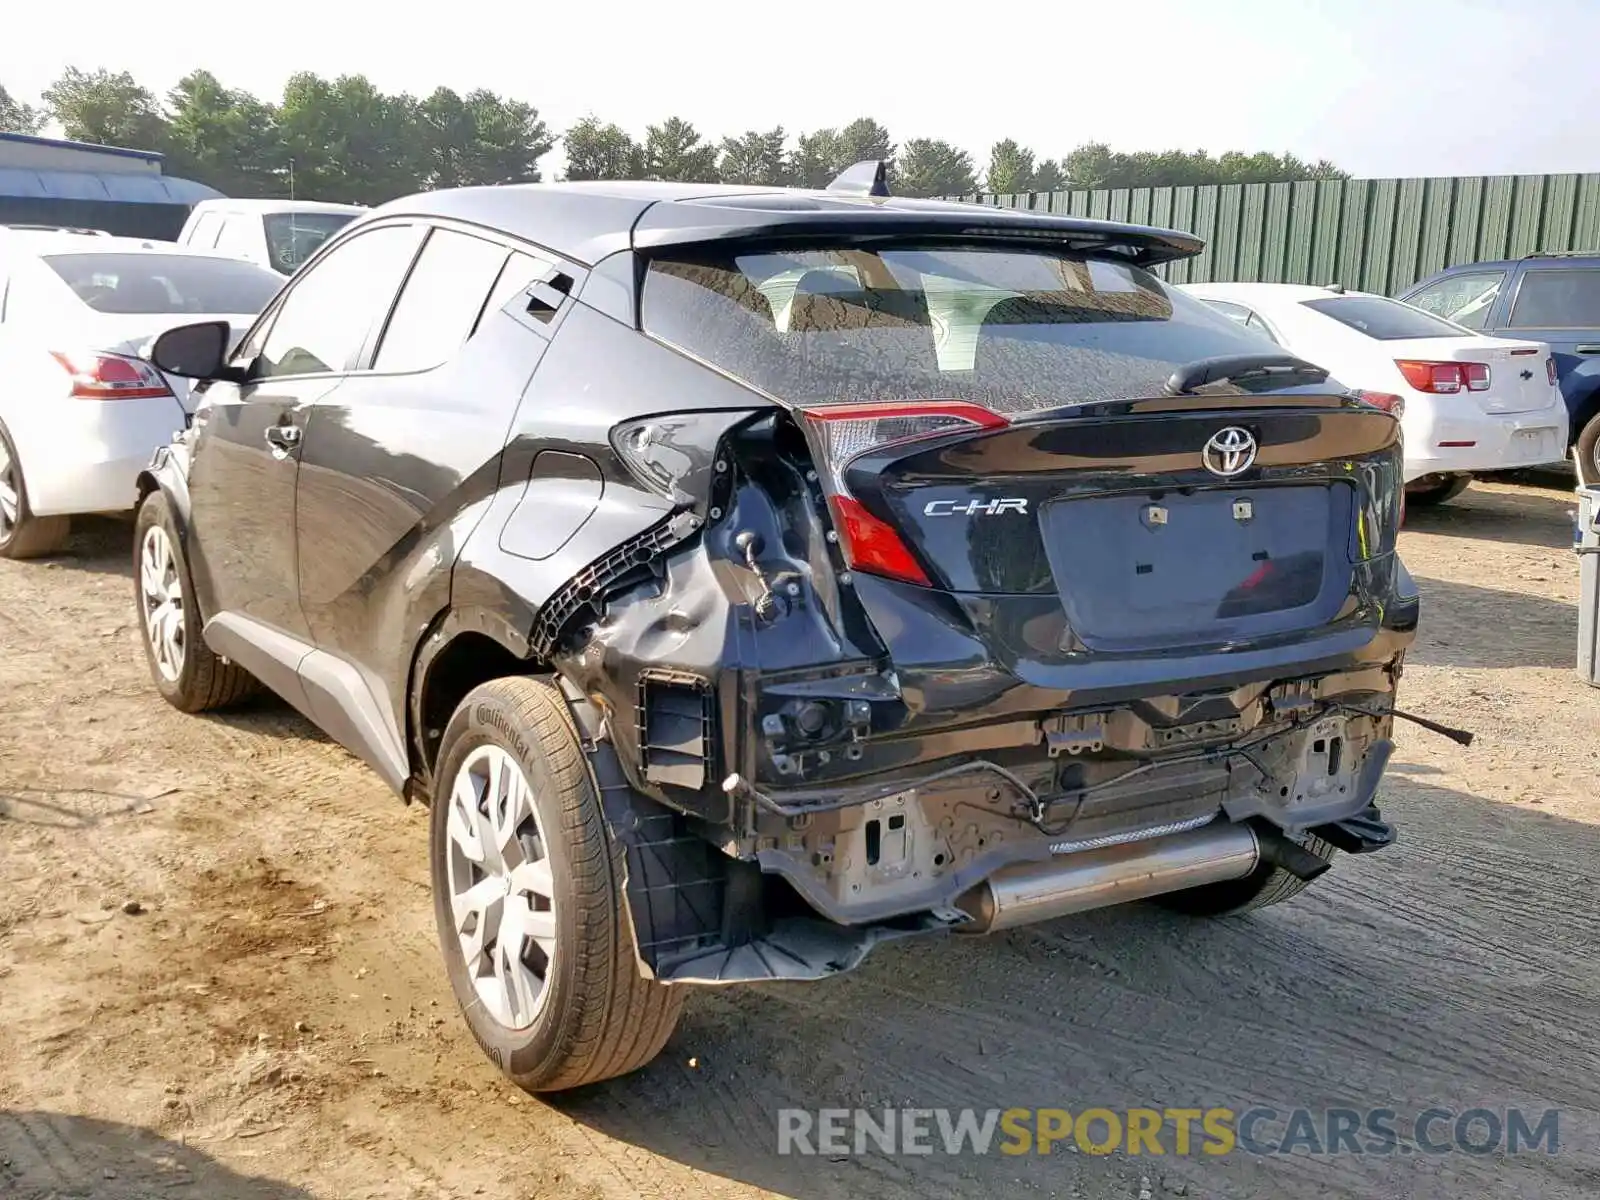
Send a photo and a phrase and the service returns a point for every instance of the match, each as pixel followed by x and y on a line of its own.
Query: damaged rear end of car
pixel 1021 585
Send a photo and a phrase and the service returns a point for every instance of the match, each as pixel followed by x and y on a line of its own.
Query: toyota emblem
pixel 1230 452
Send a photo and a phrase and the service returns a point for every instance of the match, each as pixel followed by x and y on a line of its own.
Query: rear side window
pixel 1556 299
pixel 440 302
pixel 165 283
pixel 294 237
pixel 1014 330
pixel 1466 299
pixel 1386 320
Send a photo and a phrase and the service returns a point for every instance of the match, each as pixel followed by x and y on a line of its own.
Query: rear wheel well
pixel 469 659
pixel 1587 409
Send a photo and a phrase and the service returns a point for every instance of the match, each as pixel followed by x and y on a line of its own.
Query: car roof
pixel 275 206
pixel 1576 258
pixel 588 221
pixel 1260 293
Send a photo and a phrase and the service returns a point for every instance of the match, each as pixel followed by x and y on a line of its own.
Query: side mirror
pixel 194 351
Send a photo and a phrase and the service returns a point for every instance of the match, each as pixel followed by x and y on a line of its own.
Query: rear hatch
pixel 997 424
pixel 1127 515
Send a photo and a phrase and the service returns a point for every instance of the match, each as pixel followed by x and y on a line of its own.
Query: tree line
pixel 345 140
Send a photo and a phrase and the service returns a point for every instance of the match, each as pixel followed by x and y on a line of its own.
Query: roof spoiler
pixel 869 177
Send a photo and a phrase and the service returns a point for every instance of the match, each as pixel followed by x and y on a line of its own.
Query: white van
pixel 278 234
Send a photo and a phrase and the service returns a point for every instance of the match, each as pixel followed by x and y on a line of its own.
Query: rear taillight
pixel 1388 401
pixel 1445 378
pixel 100 376
pixel 1550 370
pixel 843 433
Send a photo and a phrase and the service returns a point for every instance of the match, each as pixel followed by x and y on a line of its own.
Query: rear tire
pixel 1440 493
pixel 1265 885
pixel 528 897
pixel 23 535
pixel 185 671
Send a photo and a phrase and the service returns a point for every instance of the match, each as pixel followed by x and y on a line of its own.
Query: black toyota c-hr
pixel 746 577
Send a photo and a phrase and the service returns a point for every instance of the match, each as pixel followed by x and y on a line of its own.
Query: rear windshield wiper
pixel 1281 370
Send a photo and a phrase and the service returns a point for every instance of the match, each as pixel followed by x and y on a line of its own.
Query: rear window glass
pixel 165 283
pixel 1386 320
pixel 294 237
pixel 1558 299
pixel 1013 330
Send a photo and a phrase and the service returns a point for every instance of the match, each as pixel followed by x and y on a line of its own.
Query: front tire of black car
pixel 186 672
pixel 1438 493
pixel 528 897
pixel 1267 884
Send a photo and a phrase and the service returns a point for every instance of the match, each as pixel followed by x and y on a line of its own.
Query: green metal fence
pixel 1374 234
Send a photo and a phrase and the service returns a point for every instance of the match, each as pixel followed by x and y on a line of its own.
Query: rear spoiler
pixel 778 216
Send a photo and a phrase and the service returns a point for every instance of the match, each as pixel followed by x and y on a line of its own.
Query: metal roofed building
pixel 49 181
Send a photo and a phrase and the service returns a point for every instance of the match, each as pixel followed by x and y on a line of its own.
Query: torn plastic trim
pixel 592 583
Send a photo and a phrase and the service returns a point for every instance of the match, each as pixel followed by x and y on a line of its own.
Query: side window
pixel 1467 299
pixel 324 319
pixel 1552 298
pixel 520 270
pixel 439 305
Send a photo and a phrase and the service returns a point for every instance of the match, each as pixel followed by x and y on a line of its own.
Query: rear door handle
pixel 1588 349
pixel 283 438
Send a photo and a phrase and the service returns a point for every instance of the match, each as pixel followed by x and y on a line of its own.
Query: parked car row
pixel 1550 298
pixel 746 577
pixel 1468 402
pixel 81 411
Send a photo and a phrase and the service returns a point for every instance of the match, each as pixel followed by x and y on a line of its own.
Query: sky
pixel 1407 87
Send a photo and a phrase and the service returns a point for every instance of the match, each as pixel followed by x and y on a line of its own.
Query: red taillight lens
pixel 843 433
pixel 100 376
pixel 870 545
pixel 1550 370
pixel 1445 378
pixel 1388 401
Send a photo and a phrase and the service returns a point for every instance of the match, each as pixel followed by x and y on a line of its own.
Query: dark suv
pixel 747 577
pixel 1553 298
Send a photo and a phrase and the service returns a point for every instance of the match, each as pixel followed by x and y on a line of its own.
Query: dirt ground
pixel 273 1021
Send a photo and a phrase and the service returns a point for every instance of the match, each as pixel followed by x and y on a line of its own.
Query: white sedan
pixel 80 412
pixel 1467 403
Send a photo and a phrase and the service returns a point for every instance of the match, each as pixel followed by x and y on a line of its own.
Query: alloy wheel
pixel 10 495
pixel 162 597
pixel 501 889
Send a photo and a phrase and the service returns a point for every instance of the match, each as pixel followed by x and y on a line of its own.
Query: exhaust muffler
pixel 1087 879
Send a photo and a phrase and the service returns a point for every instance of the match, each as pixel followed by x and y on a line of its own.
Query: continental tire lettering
pixel 486 714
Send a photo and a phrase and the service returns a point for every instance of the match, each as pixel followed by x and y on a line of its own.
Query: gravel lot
pixel 272 1021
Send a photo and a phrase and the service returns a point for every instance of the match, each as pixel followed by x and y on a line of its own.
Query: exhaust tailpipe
pixel 1072 883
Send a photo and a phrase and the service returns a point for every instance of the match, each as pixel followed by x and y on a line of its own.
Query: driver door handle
pixel 283 437
pixel 1587 349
